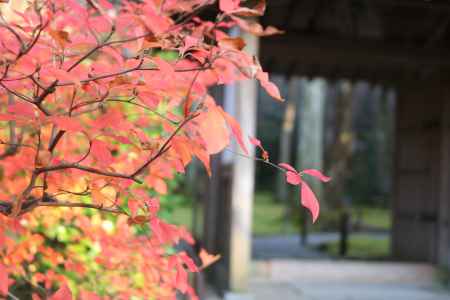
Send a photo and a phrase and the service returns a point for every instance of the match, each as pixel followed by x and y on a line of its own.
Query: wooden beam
pixel 439 32
pixel 442 5
pixel 444 201
pixel 357 55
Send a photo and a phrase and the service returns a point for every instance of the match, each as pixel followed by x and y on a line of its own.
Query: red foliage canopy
pixel 101 104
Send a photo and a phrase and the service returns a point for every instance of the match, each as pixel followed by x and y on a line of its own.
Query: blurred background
pixel 367 102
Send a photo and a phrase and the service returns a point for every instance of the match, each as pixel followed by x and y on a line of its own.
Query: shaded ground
pixel 283 270
pixel 289 246
pixel 343 280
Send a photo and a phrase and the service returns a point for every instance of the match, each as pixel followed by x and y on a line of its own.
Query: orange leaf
pixel 213 129
pixel 60 36
pixel 232 43
pixel 255 28
pixel 138 220
pixel 208 259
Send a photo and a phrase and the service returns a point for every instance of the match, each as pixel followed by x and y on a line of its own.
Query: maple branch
pixel 18 205
pixel 35 39
pixel 47 91
pixel 55 140
pixel 99 207
pixel 17 94
pixel 14 143
pixel 15 33
pixel 65 166
pixel 5 72
pixel 6 208
pixel 123 72
pixel 165 147
pixel 93 50
pixel 178 24
pixel 267 162
pixel 130 101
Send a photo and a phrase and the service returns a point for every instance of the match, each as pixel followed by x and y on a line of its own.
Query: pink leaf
pixel 3 280
pixel 293 178
pixel 270 87
pixel 67 123
pixel 22 109
pixel 229 5
pixel 317 174
pixel 100 151
pixel 164 66
pixel 63 293
pixel 288 167
pixel 61 75
pixel 181 280
pixel 235 129
pixel 255 142
pixel 309 201
pixel 188 262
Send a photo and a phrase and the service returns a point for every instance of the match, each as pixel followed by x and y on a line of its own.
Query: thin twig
pixel 165 147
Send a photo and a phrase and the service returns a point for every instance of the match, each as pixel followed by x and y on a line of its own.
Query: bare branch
pixel 165 147
pixel 6 208
pixel 66 166
pixel 82 205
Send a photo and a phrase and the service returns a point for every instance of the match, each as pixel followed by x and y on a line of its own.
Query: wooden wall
pixel 420 228
pixel 444 208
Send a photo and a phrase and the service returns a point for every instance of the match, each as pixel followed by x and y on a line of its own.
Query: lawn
pixel 269 217
pixel 364 247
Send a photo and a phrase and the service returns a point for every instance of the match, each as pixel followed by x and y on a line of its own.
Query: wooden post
pixel 344 232
pixel 286 145
pixel 242 186
pixel 444 201
pixel 311 132
pixel 418 164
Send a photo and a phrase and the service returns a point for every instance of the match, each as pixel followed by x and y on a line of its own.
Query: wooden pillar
pixel 311 128
pixel 417 180
pixel 242 186
pixel 444 203
pixel 286 145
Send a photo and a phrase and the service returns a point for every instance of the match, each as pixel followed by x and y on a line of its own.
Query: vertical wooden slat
pixel 286 146
pixel 417 173
pixel 444 203
pixel 242 186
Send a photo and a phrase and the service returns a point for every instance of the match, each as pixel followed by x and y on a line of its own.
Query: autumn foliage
pixel 101 105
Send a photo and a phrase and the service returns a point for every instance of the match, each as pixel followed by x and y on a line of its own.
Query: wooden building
pixel 404 44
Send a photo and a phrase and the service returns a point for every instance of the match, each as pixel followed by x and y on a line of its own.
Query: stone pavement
pixel 283 270
pixel 343 280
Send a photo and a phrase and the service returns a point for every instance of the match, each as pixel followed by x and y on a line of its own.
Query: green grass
pixel 361 247
pixel 379 218
pixel 269 217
